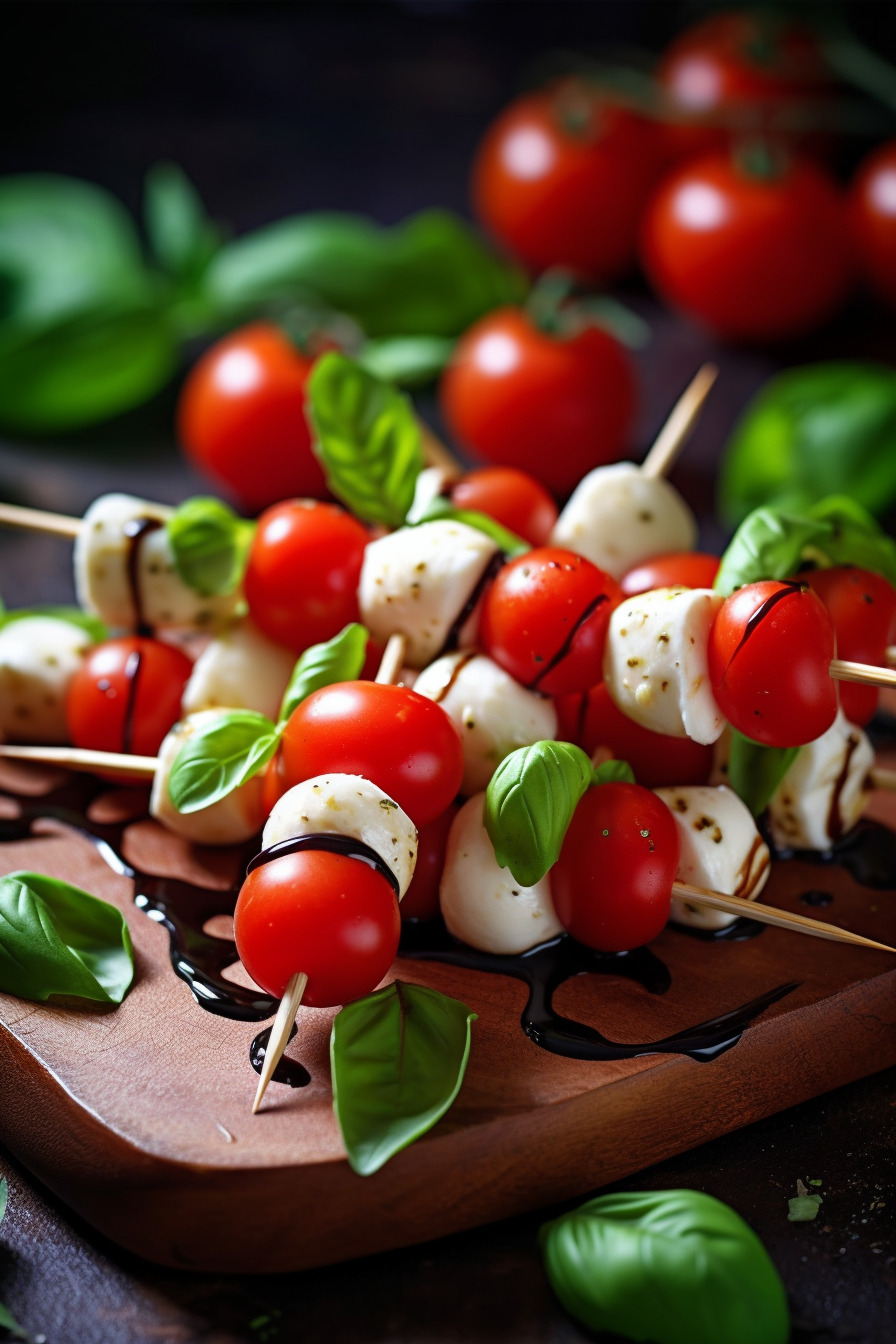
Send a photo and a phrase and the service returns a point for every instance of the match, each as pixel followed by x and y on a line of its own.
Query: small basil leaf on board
pixel 210 544
pixel 339 659
pixel 855 537
pixel 398 1058
pixel 182 237
pixel 58 939
pixel 85 620
pixel 672 1266
pixel 367 438
pixel 529 803
pixel 613 772
pixel 768 544
pixel 755 771
pixel 409 361
pixel 219 758
pixel 508 542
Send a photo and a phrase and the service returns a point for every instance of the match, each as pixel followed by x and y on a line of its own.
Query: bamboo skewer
pixel 766 914
pixel 84 758
pixel 841 669
pixel 677 429
pixel 40 520
pixel 279 1037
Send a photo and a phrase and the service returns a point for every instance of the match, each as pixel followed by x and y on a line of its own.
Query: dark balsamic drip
pixel 739 932
pixel 459 666
pixel 135 531
pixel 452 639
pixel 346 845
pixel 835 813
pixel 568 642
pixel 867 852
pixel 288 1071
pixel 132 667
pixel 816 897
pixel 545 967
pixel 790 586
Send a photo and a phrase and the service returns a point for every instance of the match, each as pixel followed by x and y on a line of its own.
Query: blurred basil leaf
pixel 210 545
pixel 407 360
pixel 85 620
pixel 854 537
pixel 825 429
pixel 755 771
pixel 181 235
pixel 441 508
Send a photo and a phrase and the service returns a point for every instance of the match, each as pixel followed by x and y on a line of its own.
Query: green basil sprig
pixel 397 1059
pixel 181 236
pixel 406 360
pixel 529 803
pixel 84 620
pixel 57 939
pixel 755 771
pixel 672 1266
pixel 440 508
pixel 367 438
pixel 7 1320
pixel 613 772
pixel 210 545
pixel 226 753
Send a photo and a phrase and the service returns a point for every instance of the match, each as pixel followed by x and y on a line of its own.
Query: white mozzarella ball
pixel 229 821
pixel 482 904
pixel 240 669
pixel 39 655
pixel 825 791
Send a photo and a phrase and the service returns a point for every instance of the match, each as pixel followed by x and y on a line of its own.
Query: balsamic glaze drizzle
pixel 333 843
pixel 135 530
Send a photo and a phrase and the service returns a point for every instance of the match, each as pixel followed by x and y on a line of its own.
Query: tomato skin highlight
pixel 512 497
pixel 754 259
pixel 683 569
pixel 241 419
pixel 333 917
pixel 862 607
pixel 612 884
pixel 545 618
pixel 872 218
pixel 770 650
pixel 551 407
pixel 392 736
pixel 302 573
pixel 126 695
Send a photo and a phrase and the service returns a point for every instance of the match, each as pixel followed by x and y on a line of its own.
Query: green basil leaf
pixel 397 1059
pixel 768 545
pixel 210 545
pixel 367 438
pixel 86 367
pixel 407 360
pixel 181 235
pixel 613 772
pixel 529 803
pixel 84 620
pixel 339 659
pixel 439 507
pixel 672 1266
pixel 855 537
pixel 825 429
pixel 755 771
pixel 216 760
pixel 57 939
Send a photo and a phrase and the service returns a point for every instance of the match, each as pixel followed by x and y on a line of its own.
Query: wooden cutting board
pixel 139 1117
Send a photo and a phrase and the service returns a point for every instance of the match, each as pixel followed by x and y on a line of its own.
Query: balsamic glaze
pixel 565 647
pixel 867 852
pixel 346 845
pixel 816 897
pixel 452 639
pixel 132 668
pixel 135 530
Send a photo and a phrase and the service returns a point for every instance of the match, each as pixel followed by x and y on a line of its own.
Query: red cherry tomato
pixel 302 573
pixel 872 216
pixel 126 695
pixel 593 720
pixel 421 900
pixel 685 569
pixel 513 498
pixel 544 620
pixel 862 606
pixel 330 916
pixel 612 884
pixel 392 736
pixel 241 419
pixel 552 407
pixel 561 178
pixel 754 258
pixel 770 650
pixel 740 72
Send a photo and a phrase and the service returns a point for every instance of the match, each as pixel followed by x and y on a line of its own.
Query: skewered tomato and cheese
pixel 39 655
pixel 825 790
pixel 240 668
pixel 231 820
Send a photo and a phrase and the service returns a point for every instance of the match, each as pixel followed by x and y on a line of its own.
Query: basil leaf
pixel 339 659
pixel 825 429
pixel 507 541
pixel 407 360
pixel 87 366
pixel 218 759
pixel 210 545
pixel 529 803
pixel 855 538
pixel 397 1059
pixel 755 771
pixel 672 1266
pixel 368 439
pixel 767 545
pixel 84 620
pixel 57 939
pixel 613 772
pixel 181 236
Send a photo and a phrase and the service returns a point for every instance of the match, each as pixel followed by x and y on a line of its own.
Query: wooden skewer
pixel 881 778
pixel 39 520
pixel 279 1037
pixel 843 670
pixel 83 758
pixel 677 429
pixel 438 454
pixel 766 914
pixel 393 657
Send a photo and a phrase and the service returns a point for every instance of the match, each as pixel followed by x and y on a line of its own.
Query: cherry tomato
pixel 752 257
pixel 612 884
pixel 389 734
pixel 770 650
pixel 544 620
pixel 593 720
pixel 241 419
pixel 513 498
pixel 302 573
pixel 552 407
pixel 872 215
pixel 737 73
pixel 421 900
pixel 862 606
pixel 330 916
pixel 684 569
pixel 126 695
pixel 561 178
